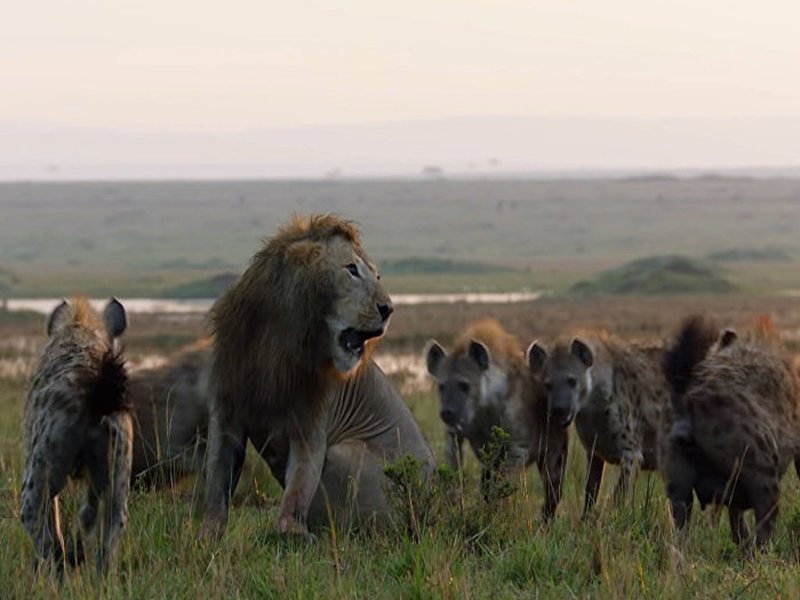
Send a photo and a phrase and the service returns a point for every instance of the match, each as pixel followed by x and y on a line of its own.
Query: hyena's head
pixel 565 374
pixel 75 318
pixel 466 381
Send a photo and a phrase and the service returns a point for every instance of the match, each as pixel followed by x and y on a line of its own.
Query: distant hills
pixel 657 275
pixel 472 145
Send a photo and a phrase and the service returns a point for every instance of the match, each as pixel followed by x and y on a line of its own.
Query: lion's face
pixel 361 308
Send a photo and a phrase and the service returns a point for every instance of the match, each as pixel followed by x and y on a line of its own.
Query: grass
pixel 468 550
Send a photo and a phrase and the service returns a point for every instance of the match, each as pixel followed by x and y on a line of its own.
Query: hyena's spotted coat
pixel 736 426
pixel 78 424
pixel 618 396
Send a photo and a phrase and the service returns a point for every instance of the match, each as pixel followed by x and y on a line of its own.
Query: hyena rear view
pixel 736 427
pixel 77 423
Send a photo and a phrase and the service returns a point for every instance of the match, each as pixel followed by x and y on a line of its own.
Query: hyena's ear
pixel 56 318
pixel 434 354
pixel 536 357
pixel 581 350
pixel 479 353
pixel 114 318
pixel 727 337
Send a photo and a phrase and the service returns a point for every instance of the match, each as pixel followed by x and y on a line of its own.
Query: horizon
pixel 357 88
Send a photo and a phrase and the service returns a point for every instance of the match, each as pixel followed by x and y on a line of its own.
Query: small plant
pixel 493 455
pixel 419 499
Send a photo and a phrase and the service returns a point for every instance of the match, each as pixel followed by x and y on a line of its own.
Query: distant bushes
pixel 768 253
pixel 438 266
pixel 657 275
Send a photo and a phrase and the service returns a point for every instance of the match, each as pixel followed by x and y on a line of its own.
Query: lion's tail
pixel 695 337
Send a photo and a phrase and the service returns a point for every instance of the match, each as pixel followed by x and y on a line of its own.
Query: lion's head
pixel 361 307
pixel 309 304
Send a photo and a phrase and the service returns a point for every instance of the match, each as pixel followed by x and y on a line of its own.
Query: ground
pixel 467 549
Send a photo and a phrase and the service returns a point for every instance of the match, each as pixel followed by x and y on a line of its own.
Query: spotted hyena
pixel 736 427
pixel 77 423
pixel 618 396
pixel 483 384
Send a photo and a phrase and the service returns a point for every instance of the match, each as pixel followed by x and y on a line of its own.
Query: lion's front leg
pixel 303 472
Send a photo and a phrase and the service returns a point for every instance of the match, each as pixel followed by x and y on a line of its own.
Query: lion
pixel 292 373
pixel 484 384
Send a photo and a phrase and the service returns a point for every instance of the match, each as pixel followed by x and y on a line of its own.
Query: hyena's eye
pixel 572 382
pixel 463 386
pixel 353 270
pixel 548 385
pixel 441 388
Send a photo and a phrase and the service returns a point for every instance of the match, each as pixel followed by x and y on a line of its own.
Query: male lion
pixel 291 368
pixel 484 384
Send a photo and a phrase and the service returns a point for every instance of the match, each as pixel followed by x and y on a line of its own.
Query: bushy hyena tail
pixel 108 393
pixel 695 338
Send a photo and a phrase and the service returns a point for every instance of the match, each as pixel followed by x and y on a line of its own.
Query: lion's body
pixel 367 424
pixel 483 384
pixel 170 406
pixel 297 326
pixel 742 403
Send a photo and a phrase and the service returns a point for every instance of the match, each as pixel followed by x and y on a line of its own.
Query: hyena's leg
pixel 453 450
pixel 303 471
pixel 114 480
pixel 594 476
pixel 551 468
pixel 226 452
pixel 739 531
pixel 679 476
pixel 766 510
pixel 87 518
pixel 627 465
pixel 39 512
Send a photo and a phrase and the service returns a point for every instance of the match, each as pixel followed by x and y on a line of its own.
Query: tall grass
pixel 460 547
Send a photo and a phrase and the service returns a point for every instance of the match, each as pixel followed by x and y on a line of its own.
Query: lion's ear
pixel 304 252
pixel 434 355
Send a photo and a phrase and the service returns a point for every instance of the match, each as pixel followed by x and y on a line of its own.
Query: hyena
pixel 736 427
pixel 618 396
pixel 485 384
pixel 78 423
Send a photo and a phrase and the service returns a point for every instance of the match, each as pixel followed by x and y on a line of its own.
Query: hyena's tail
pixel 108 392
pixel 695 337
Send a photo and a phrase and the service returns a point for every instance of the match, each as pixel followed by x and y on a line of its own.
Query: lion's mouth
pixel 352 340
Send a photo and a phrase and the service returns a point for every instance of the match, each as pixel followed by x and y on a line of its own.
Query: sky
pixel 177 67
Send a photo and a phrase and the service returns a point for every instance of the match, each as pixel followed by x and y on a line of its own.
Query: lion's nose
pixel 385 310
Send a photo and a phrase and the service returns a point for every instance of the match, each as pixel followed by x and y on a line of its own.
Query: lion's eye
pixel 353 270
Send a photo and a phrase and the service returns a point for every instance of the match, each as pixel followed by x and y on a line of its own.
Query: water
pixel 201 306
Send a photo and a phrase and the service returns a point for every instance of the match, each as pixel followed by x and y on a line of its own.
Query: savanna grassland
pixel 447 542
pixel 145 238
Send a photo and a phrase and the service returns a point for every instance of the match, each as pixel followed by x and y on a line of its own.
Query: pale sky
pixel 199 67
pixel 222 65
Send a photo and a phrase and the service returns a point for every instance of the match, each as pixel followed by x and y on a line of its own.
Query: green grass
pixel 468 550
